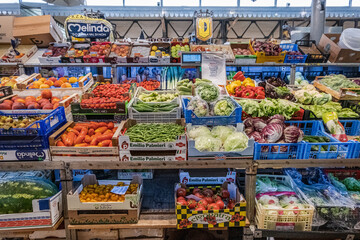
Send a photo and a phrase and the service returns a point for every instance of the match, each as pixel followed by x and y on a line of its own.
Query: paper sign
pixel 213 68
pixel 120 190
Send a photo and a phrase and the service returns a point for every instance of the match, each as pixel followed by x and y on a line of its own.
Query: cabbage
pixel 222 132
pixel 268 200
pixel 224 107
pixel 237 141
pixel 199 107
pixel 208 144
pixel 256 136
pixel 293 134
pixel 272 132
pixel 259 124
pixel 199 131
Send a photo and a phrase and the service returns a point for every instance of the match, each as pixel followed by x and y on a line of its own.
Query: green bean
pixel 155 132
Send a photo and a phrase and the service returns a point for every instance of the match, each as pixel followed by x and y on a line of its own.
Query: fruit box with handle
pixel 95 151
pixel 209 206
pixel 127 145
pixel 46 213
pixel 118 209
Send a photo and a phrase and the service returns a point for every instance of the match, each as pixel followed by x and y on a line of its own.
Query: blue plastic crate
pixel 352 128
pixel 286 150
pixel 292 58
pixel 333 149
pixel 190 117
pixel 55 119
pixel 14 143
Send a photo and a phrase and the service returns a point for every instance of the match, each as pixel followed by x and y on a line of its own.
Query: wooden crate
pixel 82 151
pixel 141 233
pixel 83 87
pixel 344 94
pixel 103 234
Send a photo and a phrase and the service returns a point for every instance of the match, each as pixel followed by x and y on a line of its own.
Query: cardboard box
pixel 6 29
pixel 25 155
pixel 114 57
pixel 46 213
pixel 127 145
pixel 329 44
pixel 202 178
pixel 139 53
pixel 190 218
pixel 104 212
pixel 175 155
pixel 38 30
pixel 47 57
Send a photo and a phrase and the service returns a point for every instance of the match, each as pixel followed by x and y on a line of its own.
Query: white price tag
pixel 213 68
pixel 120 190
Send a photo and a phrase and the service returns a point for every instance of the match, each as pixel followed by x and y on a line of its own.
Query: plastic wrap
pixel 208 92
pixel 199 107
pixel 265 185
pixel 16 194
pixel 224 107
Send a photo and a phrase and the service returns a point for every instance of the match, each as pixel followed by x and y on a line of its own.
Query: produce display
pixel 120 50
pixel 8 122
pixel 243 87
pixel 44 101
pixel 150 107
pixel 208 92
pixel 205 199
pixel 140 51
pixel 308 95
pixel 8 81
pixel 11 55
pixel 274 130
pixel 337 82
pixel 102 193
pixel 98 49
pixel 299 79
pixel 77 52
pixel 349 186
pixel 154 132
pixel 105 96
pixel 150 84
pixel 319 139
pixel 319 110
pixel 199 107
pixel 89 134
pixel 276 88
pixel 160 51
pixel 218 139
pixel 270 48
pixel 54 51
pixel 269 107
pixel 184 87
pixel 240 51
pixel 53 82
pixel 16 194
pixel 157 97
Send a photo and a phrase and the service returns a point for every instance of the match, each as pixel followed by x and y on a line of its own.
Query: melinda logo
pixel 30 155
pixel 88 30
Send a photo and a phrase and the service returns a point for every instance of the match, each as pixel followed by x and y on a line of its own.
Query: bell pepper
pixel 232 86
pixel 239 76
pixel 248 93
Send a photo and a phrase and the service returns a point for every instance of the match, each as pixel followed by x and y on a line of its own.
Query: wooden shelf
pixel 303 163
pixel 30 165
pixel 240 163
pixel 145 221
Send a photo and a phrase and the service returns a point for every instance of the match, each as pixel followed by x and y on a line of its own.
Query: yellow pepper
pixel 249 84
pixel 232 86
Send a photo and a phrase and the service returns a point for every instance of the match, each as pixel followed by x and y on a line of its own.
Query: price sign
pixel 213 68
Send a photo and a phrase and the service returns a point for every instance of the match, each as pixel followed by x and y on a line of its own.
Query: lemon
pixel 154 48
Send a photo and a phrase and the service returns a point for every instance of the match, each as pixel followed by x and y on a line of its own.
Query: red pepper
pixel 239 76
pixel 248 94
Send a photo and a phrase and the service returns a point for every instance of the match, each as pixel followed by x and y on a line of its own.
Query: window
pixel 184 3
pixel 337 3
pixel 257 3
pixel 294 3
pixel 356 3
pixel 217 3
pixel 104 3
pixel 152 3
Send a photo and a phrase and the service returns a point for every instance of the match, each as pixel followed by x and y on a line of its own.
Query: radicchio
pixel 248 122
pixel 248 130
pixel 293 134
pixel 259 124
pixel 272 132
pixel 275 120
pixel 256 136
pixel 277 116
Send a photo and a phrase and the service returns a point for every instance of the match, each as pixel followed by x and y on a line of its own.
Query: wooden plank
pixel 103 164
pixel 145 221
pixel 303 163
pixel 30 165
pixel 31 230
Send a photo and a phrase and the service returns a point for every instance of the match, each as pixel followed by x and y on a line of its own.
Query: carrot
pixel 94 141
pixel 103 137
pixel 101 129
pixel 104 143
pixel 108 131
pixel 69 129
pixel 102 124
pixel 87 139
pixel 91 131
pixel 110 125
pixel 70 138
pixel 81 145
pixel 80 138
pixel 60 144
pixel 114 129
pixel 63 137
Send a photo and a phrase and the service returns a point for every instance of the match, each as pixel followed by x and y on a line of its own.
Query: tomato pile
pixel 88 134
pixel 208 199
pixel 150 84
pixel 106 96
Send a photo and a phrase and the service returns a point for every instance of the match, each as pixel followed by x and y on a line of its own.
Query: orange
pixel 44 86
pixel 66 85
